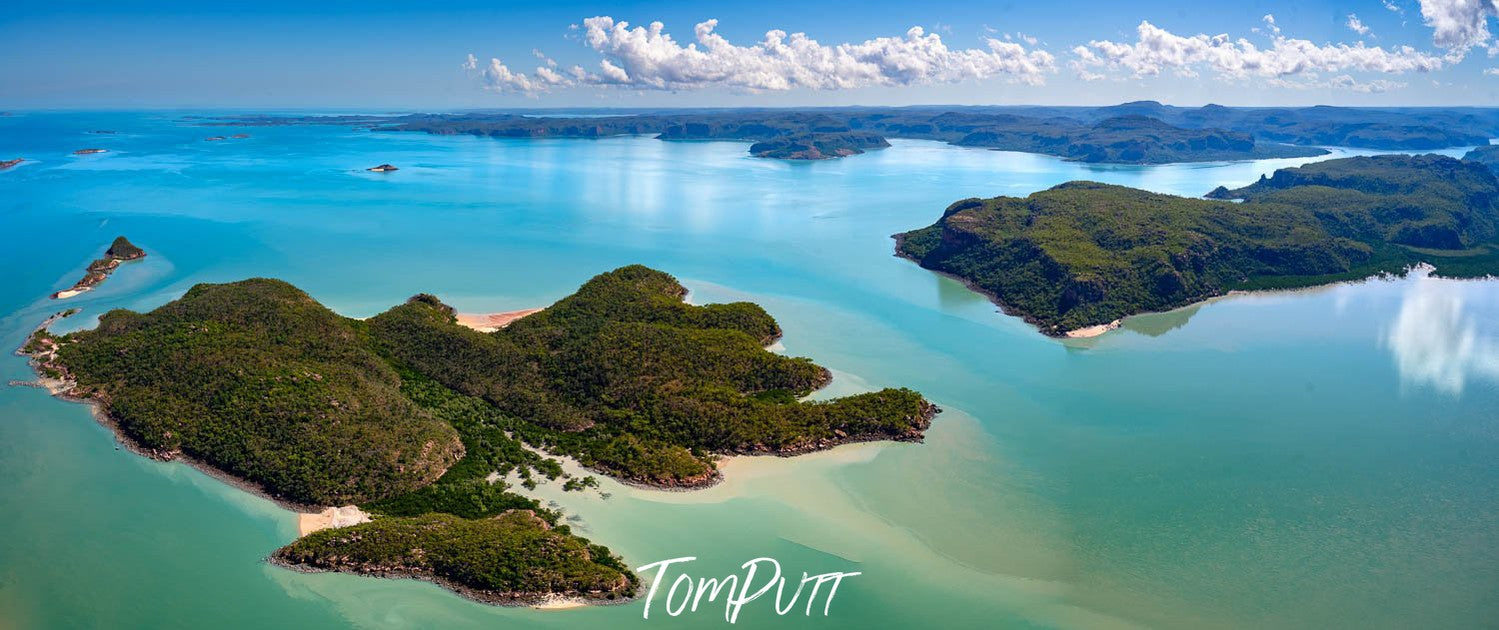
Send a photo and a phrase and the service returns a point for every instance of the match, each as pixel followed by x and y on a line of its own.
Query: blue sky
pixel 84 54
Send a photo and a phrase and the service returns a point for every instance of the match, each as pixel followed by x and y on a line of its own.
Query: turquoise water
pixel 1316 459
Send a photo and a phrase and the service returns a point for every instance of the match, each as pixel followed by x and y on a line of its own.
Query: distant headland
pixel 1078 257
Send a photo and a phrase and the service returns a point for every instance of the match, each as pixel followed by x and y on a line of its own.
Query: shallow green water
pixel 1316 459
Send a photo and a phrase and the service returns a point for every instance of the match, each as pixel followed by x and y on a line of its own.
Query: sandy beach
pixel 329 518
pixel 490 322
pixel 1093 331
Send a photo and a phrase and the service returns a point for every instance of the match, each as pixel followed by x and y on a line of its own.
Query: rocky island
pixel 419 420
pixel 1082 255
pixel 383 168
pixel 89 151
pixel 4 164
pixel 121 250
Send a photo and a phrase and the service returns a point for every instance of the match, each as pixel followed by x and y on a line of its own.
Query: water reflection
pixel 1157 324
pixel 1436 342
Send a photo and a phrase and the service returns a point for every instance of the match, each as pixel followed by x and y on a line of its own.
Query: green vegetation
pixel 99 269
pixel 421 421
pixel 817 146
pixel 1122 139
pixel 258 380
pixel 1082 253
pixel 515 557
pixel 1487 155
pixel 630 380
pixel 123 249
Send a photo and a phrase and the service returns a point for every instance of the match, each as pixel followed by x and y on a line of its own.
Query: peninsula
pixel 419 420
pixel 119 251
pixel 1082 255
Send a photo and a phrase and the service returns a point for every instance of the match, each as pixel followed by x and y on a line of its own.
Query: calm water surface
pixel 1326 458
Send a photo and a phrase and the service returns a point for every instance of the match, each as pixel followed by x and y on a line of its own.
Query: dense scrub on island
pixel 631 380
pixel 515 557
pixel 425 423
pixel 258 380
pixel 1083 254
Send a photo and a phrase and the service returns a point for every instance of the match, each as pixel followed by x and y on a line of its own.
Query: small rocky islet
pixel 120 251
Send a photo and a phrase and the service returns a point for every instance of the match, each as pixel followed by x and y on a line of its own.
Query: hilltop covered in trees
pixel 632 381
pixel 409 414
pixel 1084 254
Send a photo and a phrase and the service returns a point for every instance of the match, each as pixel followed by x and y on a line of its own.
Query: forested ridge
pixel 1083 254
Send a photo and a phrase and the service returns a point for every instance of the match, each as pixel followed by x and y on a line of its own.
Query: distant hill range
pixel 1143 132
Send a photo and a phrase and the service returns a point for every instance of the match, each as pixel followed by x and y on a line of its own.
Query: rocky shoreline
pixel 971 286
pixel 54 378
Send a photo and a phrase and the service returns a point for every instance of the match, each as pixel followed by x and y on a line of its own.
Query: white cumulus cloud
pixel 1157 50
pixel 1356 25
pixel 1459 25
pixel 1270 22
pixel 651 58
pixel 647 57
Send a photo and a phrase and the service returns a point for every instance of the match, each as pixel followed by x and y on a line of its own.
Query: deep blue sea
pixel 1325 458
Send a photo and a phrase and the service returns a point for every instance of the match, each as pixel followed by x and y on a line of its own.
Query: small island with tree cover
pixel 419 420
pixel 121 250
pixel 1078 257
